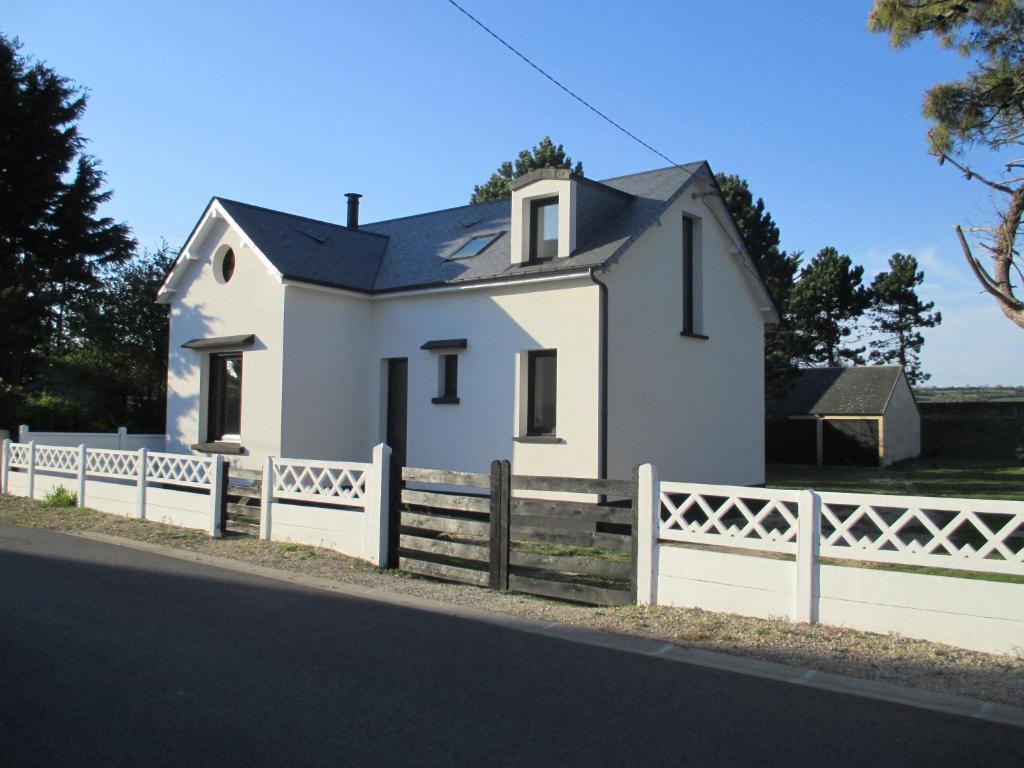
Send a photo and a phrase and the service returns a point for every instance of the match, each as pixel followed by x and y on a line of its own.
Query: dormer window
pixel 544 229
pixel 543 216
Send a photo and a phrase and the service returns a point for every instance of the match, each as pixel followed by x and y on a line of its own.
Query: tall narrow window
pixel 448 380
pixel 688 275
pixel 451 376
pixel 544 229
pixel 542 387
pixel 225 421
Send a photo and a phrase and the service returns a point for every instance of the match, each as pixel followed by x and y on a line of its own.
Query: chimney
pixel 353 209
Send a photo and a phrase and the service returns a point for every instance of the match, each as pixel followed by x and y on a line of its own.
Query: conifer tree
pixel 826 304
pixel 545 155
pixel 984 109
pixel 896 314
pixel 52 240
pixel 778 269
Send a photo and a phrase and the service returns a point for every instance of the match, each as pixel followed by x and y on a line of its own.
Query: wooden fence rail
pixel 540 535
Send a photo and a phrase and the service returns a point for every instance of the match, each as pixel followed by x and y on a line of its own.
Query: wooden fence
pixel 561 537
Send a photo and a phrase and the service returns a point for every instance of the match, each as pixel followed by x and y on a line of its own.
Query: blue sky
pixel 292 105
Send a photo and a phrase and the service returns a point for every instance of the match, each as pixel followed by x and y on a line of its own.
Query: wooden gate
pixel 560 537
pixel 242 496
pixel 446 531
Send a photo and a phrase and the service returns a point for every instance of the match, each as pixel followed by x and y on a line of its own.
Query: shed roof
pixel 862 390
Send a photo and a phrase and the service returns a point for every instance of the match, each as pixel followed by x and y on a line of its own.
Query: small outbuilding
pixel 863 415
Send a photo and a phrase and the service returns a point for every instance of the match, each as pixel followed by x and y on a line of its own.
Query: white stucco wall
pixel 499 323
pixel 694 407
pixel 202 307
pixel 314 387
pixel 902 425
pixel 328 375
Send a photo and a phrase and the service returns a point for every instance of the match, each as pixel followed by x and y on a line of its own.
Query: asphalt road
pixel 110 656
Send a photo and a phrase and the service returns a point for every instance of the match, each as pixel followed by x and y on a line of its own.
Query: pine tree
pixel 778 269
pixel 544 155
pixel 52 242
pixel 826 303
pixel 983 109
pixel 896 314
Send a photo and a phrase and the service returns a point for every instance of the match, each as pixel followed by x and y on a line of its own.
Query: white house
pixel 577 329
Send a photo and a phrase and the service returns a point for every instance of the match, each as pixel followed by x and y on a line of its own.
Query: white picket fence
pixel 779 553
pixel 120 440
pixel 166 487
pixel 333 504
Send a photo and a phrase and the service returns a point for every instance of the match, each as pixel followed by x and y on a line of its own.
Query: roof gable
pixel 311 250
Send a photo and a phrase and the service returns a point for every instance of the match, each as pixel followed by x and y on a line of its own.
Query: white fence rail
pixel 339 505
pixel 968 534
pixel 165 487
pixel 334 504
pixel 779 553
pixel 120 440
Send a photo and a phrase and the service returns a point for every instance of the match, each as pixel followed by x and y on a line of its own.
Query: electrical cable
pixel 581 100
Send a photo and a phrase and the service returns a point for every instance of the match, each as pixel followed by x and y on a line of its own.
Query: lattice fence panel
pixel 18 456
pixel 57 458
pixel 729 516
pixel 176 469
pixel 324 482
pixel 111 463
pixel 967 534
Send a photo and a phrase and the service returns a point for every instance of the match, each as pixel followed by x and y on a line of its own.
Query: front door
pixel 398 408
pixel 397 422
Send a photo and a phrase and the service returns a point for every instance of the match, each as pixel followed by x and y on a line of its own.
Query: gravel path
pixel 890 658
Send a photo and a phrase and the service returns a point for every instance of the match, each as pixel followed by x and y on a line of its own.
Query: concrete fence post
pixel 82 458
pixel 140 488
pixel 216 495
pixel 122 438
pixel 266 497
pixel 648 495
pixel 808 544
pixel 31 469
pixel 378 496
pixel 5 466
pixel 23 432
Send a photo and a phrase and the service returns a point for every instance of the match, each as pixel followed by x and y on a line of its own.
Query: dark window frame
pixel 535 206
pixel 227 265
pixel 450 375
pixel 689 295
pixel 448 379
pixel 490 238
pixel 533 429
pixel 217 417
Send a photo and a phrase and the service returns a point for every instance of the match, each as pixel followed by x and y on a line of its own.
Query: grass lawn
pixel 920 477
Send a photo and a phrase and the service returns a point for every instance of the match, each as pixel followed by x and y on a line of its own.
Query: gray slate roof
pixel 854 391
pixel 412 252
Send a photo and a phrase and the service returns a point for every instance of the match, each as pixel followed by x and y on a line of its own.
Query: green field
pixel 921 477
pixel 968 394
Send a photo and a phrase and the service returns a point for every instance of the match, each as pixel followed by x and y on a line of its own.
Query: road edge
pixel 871 689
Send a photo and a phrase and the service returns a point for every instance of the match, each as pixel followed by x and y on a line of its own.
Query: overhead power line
pixel 740 249
pixel 569 91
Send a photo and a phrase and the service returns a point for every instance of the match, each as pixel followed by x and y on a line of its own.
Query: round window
pixel 227 265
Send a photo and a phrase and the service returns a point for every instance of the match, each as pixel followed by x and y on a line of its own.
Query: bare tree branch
pixel 972 174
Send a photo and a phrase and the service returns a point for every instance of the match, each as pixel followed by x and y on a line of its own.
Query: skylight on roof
pixel 474 245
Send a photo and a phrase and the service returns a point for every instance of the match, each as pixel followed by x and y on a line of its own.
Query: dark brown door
pixel 398 413
pixel 398 408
